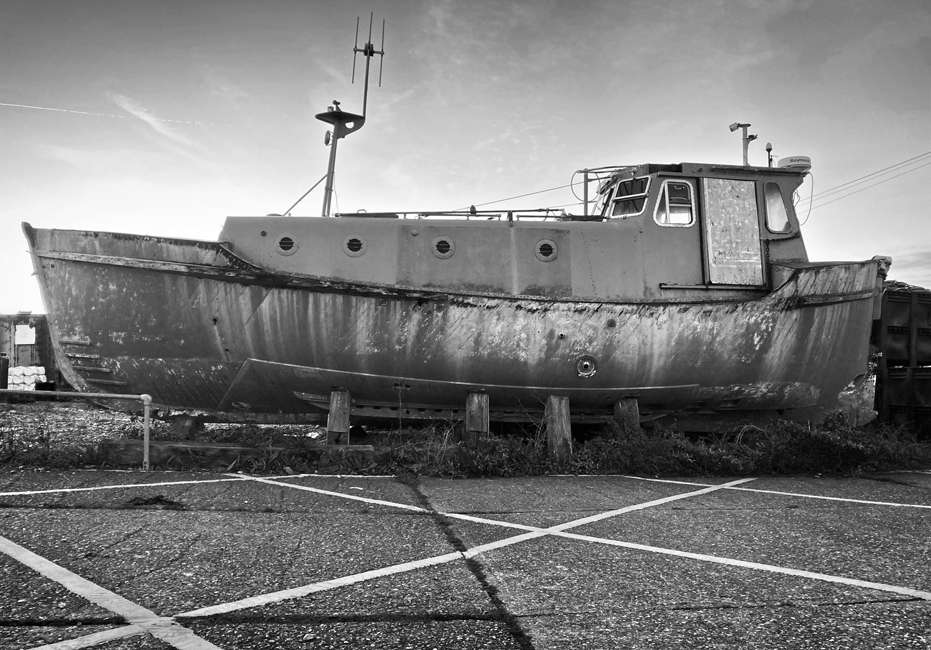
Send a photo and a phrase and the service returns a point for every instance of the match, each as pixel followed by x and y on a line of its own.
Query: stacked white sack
pixel 25 377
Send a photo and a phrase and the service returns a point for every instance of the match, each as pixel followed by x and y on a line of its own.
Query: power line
pixel 870 186
pixel 881 172
pixel 520 196
pixel 876 173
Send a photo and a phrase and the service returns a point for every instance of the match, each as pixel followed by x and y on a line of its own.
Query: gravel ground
pixel 869 626
pixel 20 636
pixel 62 434
pixel 414 634
pixel 56 434
pixel 177 561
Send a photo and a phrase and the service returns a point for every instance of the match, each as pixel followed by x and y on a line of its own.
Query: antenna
pixel 345 123
pixel 368 51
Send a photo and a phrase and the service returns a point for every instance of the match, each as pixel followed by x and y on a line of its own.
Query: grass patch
pixel 66 435
pixel 783 448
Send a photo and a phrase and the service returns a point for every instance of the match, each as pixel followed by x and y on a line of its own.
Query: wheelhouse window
pixel 675 206
pixel 631 197
pixel 777 217
pixel 601 203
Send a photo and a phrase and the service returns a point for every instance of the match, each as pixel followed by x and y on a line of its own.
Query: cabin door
pixel 732 232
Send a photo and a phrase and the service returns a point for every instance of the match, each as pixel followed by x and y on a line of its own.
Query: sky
pixel 164 117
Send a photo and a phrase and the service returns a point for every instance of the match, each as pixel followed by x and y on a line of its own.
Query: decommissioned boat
pixel 688 289
pixel 685 287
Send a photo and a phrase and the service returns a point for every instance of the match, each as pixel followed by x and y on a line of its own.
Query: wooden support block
pixel 558 427
pixel 337 422
pixel 627 414
pixel 476 419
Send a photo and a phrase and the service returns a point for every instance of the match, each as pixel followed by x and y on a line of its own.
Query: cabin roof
pixel 706 169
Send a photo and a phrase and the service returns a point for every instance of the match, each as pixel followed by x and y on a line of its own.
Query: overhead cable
pixel 873 175
pixel 871 186
pixel 520 196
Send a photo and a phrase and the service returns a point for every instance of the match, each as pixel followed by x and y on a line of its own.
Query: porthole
pixel 443 247
pixel 545 250
pixel 586 366
pixel 286 245
pixel 354 246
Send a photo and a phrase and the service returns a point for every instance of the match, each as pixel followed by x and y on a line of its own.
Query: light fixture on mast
pixel 345 123
pixel 747 139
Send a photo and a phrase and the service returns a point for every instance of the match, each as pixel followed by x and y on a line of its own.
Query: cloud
pixel 68 155
pixel 178 144
pixel 389 101
pixel 139 112
pixel 510 138
pixel 221 86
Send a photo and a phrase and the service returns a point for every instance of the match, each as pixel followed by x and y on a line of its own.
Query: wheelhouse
pixel 716 225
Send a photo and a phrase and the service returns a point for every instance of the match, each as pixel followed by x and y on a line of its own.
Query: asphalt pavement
pixel 125 560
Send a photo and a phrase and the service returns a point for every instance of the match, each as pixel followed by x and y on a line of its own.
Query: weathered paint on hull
pixel 197 328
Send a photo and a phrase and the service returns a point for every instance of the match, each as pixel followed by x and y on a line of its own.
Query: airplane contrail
pixel 68 110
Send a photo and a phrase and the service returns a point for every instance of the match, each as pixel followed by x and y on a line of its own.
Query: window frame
pixel 615 197
pixel 605 193
pixel 790 226
pixel 662 194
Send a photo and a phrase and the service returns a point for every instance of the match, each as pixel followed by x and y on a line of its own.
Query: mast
pixel 345 123
pixel 746 139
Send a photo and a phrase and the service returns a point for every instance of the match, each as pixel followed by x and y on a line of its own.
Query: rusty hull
pixel 198 328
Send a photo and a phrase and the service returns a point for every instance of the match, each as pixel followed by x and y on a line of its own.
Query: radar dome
pixel 801 163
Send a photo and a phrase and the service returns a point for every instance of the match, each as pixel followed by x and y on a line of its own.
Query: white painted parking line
pixel 298 592
pixel 827 498
pixel 801 495
pixel 231 478
pixel 664 480
pixel 142 620
pixel 325 585
pixel 115 603
pixel 559 530
pixel 364 476
pixel 650 504
pixel 136 615
pixel 351 497
pixel 120 487
pixel 97 638
pixel 604 515
pixel 905 591
pixel 91 640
